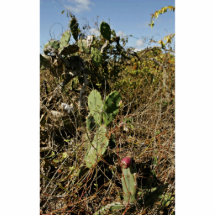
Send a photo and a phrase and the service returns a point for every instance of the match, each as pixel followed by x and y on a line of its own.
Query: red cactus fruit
pixel 126 162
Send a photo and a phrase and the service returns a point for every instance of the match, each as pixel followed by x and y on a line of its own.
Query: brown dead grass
pixel 143 129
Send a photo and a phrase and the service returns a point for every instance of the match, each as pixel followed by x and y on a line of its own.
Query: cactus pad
pixel 98 147
pixel 105 30
pixel 111 107
pixel 51 48
pixel 74 27
pixel 44 62
pixel 70 49
pixel 64 40
pixel 96 56
pixel 90 123
pixel 95 105
pixel 82 44
pixel 129 185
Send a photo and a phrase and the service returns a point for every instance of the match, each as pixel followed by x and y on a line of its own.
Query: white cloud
pixel 121 34
pixel 140 42
pixel 94 31
pixel 77 6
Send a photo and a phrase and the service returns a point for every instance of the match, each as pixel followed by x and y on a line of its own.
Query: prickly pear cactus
pixel 51 48
pixel 45 62
pixel 129 184
pixel 69 49
pixel 95 105
pixel 82 44
pixel 90 123
pixel 64 40
pixel 105 30
pixel 111 107
pixel 94 121
pixel 96 56
pixel 74 27
pixel 98 147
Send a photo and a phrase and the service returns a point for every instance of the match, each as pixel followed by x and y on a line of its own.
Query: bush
pixel 140 124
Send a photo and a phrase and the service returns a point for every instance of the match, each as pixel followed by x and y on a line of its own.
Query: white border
pixel 195 107
pixel 19 109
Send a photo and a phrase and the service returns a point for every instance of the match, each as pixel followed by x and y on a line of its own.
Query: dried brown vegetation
pixel 143 129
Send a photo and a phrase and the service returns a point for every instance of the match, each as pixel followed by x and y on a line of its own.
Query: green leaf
pixel 64 155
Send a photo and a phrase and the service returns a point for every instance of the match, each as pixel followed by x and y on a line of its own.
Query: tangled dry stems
pixel 143 129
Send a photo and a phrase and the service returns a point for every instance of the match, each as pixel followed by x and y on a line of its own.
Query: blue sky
pixel 126 17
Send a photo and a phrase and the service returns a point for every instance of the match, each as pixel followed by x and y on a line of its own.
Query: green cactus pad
pixel 96 56
pixel 82 44
pixel 105 30
pixel 86 142
pixel 111 107
pixel 98 147
pixel 44 62
pixel 64 40
pixel 95 105
pixel 70 49
pixel 129 185
pixel 51 47
pixel 90 123
pixel 74 27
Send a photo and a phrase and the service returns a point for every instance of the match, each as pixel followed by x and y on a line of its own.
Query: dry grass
pixel 143 129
